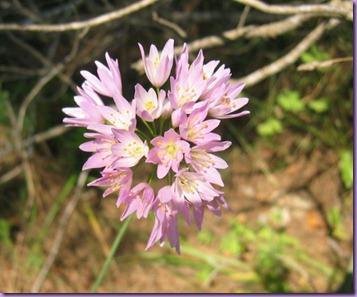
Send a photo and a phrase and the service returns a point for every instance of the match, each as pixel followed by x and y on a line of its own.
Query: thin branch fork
pixel 102 19
pixel 328 10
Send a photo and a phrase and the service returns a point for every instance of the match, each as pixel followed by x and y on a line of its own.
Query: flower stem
pixel 161 125
pixel 115 245
pixel 149 128
pixel 154 127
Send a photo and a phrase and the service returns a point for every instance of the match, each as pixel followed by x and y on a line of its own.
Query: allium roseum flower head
pixel 170 129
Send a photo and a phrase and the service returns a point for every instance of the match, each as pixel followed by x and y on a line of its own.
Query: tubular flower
pixel 222 107
pixel 149 105
pixel 109 82
pixel 158 66
pixel 188 85
pixel 115 180
pixel 166 220
pixel 139 199
pixel 102 147
pixel 170 129
pixel 87 113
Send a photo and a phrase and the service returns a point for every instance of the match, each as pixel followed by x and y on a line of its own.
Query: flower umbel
pixel 169 129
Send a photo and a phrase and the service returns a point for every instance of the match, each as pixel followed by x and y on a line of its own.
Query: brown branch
pixel 102 19
pixel 50 133
pixel 322 64
pixel 289 58
pixel 11 174
pixel 169 24
pixel 326 10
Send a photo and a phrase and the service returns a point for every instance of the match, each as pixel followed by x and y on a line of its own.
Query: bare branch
pixel 102 19
pixel 50 133
pixel 322 64
pixel 169 24
pixel 327 10
pixel 11 174
pixel 289 58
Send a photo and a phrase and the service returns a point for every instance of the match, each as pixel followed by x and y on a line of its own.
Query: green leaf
pixel 346 168
pixel 290 101
pixel 205 237
pixel 270 127
pixel 319 105
pixel 5 228
pixel 314 54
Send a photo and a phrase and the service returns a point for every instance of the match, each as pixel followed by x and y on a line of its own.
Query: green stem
pixel 111 254
pixel 169 177
pixel 161 125
pixel 154 127
pixel 149 128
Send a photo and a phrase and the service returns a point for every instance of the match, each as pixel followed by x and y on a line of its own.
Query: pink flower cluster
pixel 174 133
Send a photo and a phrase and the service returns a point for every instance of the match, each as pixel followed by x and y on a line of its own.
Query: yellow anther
pixel 149 105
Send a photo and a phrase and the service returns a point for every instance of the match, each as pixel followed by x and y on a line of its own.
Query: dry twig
pixel 102 19
pixel 169 24
pixel 326 10
pixel 322 64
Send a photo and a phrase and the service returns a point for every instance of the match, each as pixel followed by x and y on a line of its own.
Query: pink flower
pixel 214 205
pixel 158 66
pixel 121 117
pixel 166 222
pixel 102 147
pixel 87 112
pixel 196 130
pixel 205 163
pixel 109 82
pixel 222 108
pixel 129 148
pixel 115 180
pixel 168 152
pixel 139 199
pixel 215 80
pixel 189 84
pixel 187 87
pixel 193 187
pixel 149 106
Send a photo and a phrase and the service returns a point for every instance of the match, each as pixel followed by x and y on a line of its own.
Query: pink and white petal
pixel 94 161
